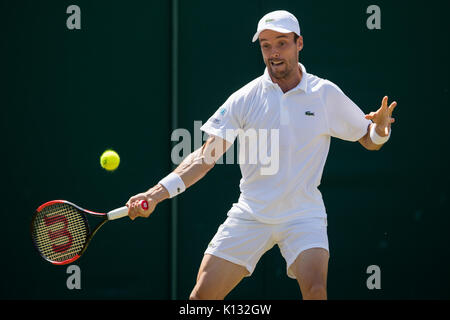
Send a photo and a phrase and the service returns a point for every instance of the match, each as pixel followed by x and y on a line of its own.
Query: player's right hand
pixel 135 208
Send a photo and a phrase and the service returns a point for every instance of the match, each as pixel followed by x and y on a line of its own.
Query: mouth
pixel 276 63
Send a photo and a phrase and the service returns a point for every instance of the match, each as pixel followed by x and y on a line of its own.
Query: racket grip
pixel 123 211
pixel 118 213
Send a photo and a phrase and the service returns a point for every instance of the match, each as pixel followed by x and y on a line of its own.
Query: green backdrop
pixel 67 95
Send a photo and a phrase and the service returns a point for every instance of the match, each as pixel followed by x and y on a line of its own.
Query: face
pixel 280 53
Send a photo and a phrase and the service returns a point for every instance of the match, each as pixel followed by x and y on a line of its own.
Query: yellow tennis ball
pixel 109 160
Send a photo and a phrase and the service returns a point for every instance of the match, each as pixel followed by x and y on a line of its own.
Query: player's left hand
pixel 383 117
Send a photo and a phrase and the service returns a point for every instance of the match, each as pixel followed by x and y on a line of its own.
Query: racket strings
pixel 60 232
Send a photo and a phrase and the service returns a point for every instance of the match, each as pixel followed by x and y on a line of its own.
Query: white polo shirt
pixel 306 117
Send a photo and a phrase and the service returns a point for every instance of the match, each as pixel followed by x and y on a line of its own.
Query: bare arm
pixel 367 143
pixel 194 167
pixel 198 163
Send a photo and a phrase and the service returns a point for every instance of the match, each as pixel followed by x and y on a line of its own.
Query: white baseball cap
pixel 280 21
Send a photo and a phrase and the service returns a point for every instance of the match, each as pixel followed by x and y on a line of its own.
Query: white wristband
pixel 173 184
pixel 376 138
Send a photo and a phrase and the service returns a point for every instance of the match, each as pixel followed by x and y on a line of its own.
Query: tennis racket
pixel 61 232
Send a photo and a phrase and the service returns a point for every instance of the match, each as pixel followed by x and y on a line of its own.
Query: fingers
pixel 392 107
pixel 370 116
pixel 384 102
pixel 133 204
pixel 383 114
pixel 134 210
pixel 140 208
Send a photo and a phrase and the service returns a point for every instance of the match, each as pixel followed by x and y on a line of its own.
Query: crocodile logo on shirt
pixel 309 113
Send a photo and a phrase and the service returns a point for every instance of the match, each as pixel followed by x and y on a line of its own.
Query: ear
pixel 299 43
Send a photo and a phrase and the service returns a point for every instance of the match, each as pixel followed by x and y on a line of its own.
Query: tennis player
pixel 284 207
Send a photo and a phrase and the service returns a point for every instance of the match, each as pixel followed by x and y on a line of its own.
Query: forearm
pixel 190 170
pixel 371 145
pixel 198 163
pixel 367 142
pixel 194 167
pixel 158 193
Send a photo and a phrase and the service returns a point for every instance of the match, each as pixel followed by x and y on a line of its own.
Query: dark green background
pixel 67 95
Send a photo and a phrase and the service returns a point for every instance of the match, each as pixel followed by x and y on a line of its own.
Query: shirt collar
pixel 303 85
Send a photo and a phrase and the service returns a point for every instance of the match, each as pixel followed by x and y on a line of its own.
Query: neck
pixel 290 81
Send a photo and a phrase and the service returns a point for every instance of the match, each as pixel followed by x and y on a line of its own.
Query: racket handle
pixel 123 211
pixel 117 213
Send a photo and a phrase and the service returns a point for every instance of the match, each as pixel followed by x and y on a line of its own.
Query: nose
pixel 274 54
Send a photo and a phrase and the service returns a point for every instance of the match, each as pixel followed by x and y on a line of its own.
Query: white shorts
pixel 244 241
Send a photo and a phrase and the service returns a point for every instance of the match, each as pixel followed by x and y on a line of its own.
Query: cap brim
pixel 277 29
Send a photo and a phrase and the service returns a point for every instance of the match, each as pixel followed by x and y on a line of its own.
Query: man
pixel 284 207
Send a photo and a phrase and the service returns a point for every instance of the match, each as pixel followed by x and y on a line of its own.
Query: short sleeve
pixel 346 120
pixel 225 122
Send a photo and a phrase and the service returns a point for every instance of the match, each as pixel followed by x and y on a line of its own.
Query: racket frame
pixel 89 237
